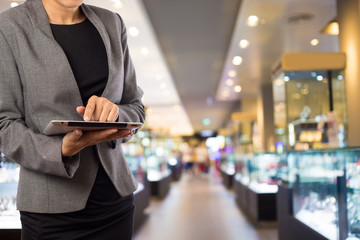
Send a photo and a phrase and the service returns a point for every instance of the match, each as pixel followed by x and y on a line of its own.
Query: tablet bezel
pixel 58 127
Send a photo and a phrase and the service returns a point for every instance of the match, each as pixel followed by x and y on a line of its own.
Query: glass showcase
pixel 259 171
pixel 326 193
pixel 9 177
pixel 310 110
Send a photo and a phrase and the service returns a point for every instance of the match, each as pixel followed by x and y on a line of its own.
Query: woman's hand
pixel 99 109
pixel 75 141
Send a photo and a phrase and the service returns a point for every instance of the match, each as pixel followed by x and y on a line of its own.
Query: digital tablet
pixel 57 127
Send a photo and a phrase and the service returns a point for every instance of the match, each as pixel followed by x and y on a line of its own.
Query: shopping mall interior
pixel 252 121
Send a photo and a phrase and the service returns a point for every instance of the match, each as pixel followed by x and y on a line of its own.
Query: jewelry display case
pixel 323 194
pixel 256 185
pixel 309 101
pixel 316 192
pixel 352 172
pixel 10 224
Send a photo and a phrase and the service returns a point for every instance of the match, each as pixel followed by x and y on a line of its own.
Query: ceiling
pixel 200 38
pixel 190 46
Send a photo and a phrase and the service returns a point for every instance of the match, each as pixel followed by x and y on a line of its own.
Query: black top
pixel 85 50
pixel 86 53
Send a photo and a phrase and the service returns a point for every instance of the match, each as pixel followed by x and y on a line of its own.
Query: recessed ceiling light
pixel 237 60
pixel 314 42
pixel 144 51
pixel 229 82
pixel 133 31
pixel 244 43
pixel 253 21
pixel 14 4
pixel 118 3
pixel 237 88
pixel 232 73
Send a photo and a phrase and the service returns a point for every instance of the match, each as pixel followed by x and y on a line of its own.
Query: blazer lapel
pixel 99 25
pixel 53 52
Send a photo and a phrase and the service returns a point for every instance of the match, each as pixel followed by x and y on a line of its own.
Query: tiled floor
pixel 199 208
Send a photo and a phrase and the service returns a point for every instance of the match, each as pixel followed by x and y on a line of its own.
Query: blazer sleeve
pixel 131 108
pixel 18 142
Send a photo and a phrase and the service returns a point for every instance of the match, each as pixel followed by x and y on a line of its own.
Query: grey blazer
pixel 36 86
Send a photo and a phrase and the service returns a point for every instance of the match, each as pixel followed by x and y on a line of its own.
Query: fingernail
pixel 86 118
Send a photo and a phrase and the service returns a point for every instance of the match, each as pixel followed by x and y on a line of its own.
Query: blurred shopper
pixel 62 59
pixel 188 159
pixel 202 157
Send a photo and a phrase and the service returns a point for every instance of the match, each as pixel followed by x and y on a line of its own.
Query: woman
pixel 62 59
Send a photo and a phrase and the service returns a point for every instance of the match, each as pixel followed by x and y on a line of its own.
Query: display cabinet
pixel 309 101
pixel 10 224
pixel 255 186
pixel 352 172
pixel 227 168
pixel 323 191
pixel 316 192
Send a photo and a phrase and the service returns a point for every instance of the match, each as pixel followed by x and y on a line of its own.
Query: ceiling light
pixel 118 3
pixel 14 4
pixel 253 21
pixel 237 88
pixel 237 60
pixel 133 31
pixel 232 73
pixel 229 82
pixel 144 51
pixel 314 42
pixel 244 43
pixel 286 78
pixel 332 28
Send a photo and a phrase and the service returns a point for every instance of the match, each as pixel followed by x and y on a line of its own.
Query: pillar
pixel 349 41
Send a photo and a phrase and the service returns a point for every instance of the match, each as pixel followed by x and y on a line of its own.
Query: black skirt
pixel 107 216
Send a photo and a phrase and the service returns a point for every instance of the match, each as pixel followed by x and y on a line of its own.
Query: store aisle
pixel 199 208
